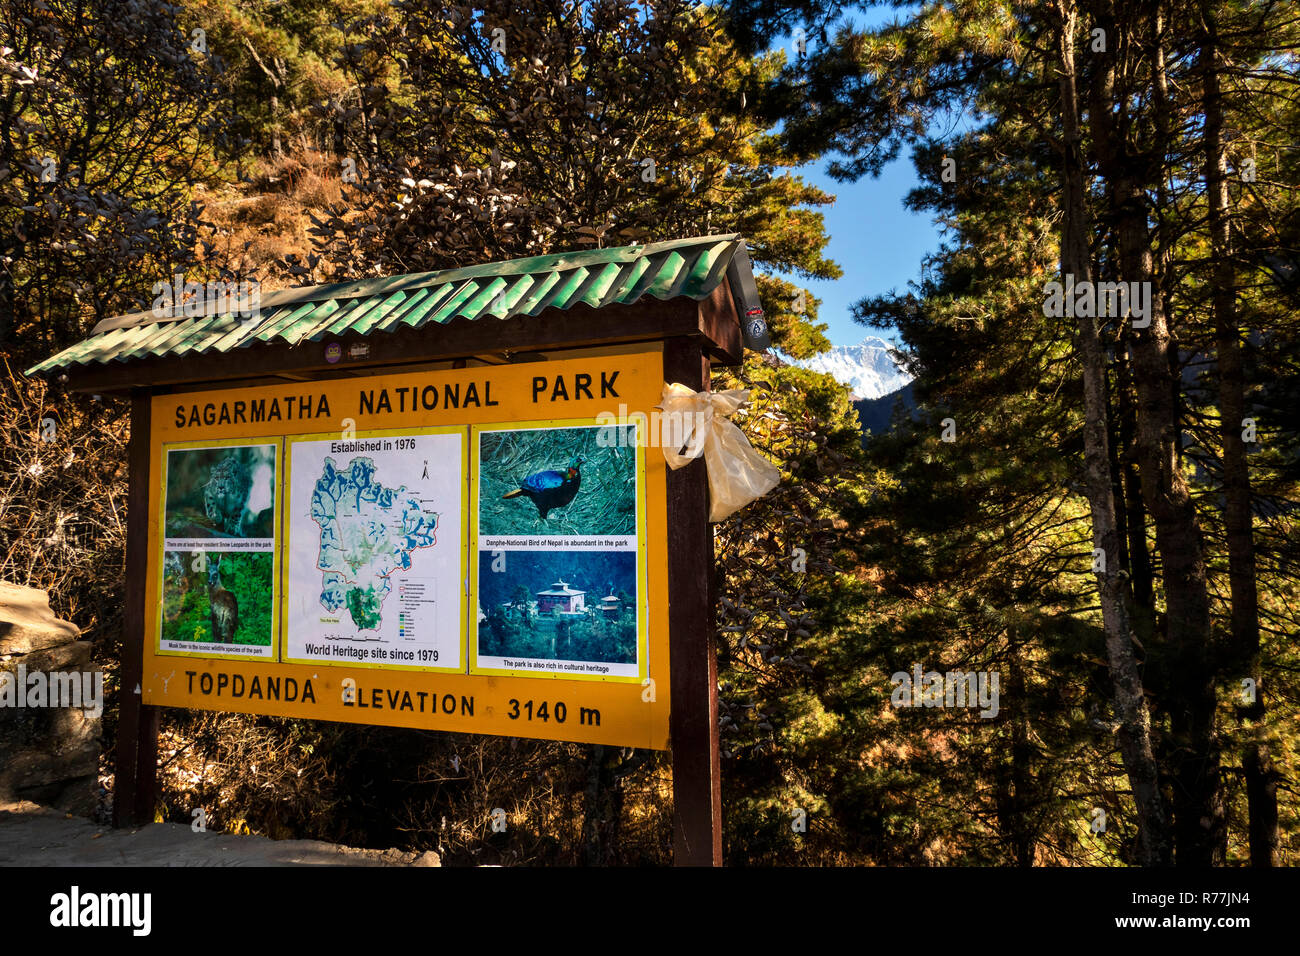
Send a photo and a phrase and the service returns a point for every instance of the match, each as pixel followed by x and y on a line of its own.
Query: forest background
pixel 1097 508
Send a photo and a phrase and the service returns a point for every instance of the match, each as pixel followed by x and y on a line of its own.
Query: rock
pixel 407 858
pixel 27 623
pixel 47 754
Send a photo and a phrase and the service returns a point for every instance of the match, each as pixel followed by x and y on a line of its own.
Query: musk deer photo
pixel 223 606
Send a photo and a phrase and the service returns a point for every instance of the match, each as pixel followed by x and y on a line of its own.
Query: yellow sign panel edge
pixel 650 730
pixel 158 544
pixel 291 440
pixel 643 598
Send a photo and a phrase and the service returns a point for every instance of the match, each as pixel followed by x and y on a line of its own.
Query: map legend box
pixel 417 618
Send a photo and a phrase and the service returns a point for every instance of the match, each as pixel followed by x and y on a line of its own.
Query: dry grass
pixel 261 222
pixel 63 499
pixel 380 787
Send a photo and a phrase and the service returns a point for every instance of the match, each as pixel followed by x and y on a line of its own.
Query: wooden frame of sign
pixel 692 335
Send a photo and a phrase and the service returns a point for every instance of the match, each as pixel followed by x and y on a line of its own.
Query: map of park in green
pixel 367 532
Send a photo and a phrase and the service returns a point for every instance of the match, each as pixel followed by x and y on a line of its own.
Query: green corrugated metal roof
pixel 595 277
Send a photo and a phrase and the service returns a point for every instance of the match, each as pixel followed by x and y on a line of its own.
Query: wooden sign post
pixel 697 770
pixel 135 780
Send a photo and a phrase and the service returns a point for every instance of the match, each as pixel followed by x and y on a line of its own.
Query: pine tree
pixel 1111 97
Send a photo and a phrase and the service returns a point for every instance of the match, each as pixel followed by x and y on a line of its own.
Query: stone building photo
pixel 538 608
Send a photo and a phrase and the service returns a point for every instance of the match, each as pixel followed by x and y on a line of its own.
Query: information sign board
pixel 478 550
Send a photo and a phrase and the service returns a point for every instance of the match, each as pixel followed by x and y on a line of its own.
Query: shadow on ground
pixel 32 835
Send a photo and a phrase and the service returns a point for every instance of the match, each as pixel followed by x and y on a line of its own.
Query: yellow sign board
pixel 476 550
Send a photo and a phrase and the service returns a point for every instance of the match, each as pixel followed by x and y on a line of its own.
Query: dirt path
pixel 32 835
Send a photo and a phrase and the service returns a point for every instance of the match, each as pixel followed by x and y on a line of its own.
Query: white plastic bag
pixel 698 421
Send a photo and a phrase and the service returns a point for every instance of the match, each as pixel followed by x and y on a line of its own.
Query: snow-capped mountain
pixel 867 367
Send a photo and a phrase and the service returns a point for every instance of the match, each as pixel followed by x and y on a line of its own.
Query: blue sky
pixel 877 243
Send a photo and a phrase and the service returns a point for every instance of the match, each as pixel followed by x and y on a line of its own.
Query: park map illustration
pixel 367 532
pixel 376 549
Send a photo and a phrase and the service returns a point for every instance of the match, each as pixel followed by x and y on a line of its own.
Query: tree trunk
pixel 1199 818
pixel 1116 598
pixel 1256 759
pixel 1024 837
pixel 602 807
pixel 276 149
pixel 1135 514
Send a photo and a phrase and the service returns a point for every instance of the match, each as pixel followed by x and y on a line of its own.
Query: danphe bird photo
pixel 556 480
pixel 550 489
